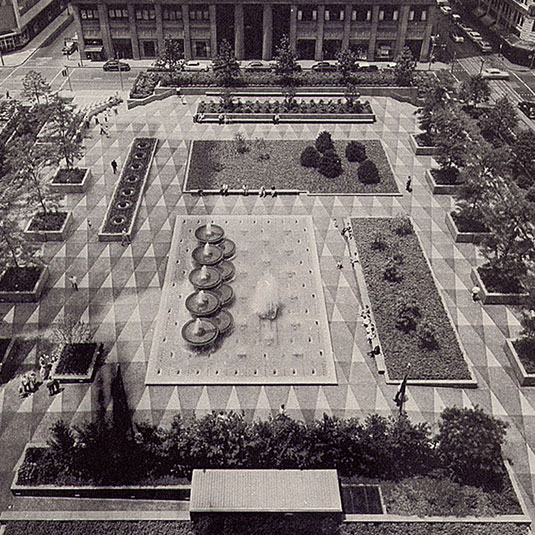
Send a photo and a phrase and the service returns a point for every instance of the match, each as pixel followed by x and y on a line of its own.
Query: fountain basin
pixel 207 255
pixel 211 279
pixel 226 269
pixel 228 247
pixel 209 233
pixel 225 294
pixel 197 307
pixel 198 338
pixel 223 320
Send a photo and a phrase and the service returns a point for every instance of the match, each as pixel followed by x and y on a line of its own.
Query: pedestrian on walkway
pixel 125 239
pixel 74 282
pixel 103 131
pixel 7 94
pixel 53 387
pixel 97 121
pixel 476 290
pixel 262 191
pixel 408 185
pixel 114 166
pixel 89 224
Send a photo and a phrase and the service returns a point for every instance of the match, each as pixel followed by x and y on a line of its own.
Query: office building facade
pixel 375 30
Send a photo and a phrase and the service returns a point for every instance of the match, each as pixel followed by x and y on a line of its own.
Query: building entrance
pixel 122 48
pixel 252 20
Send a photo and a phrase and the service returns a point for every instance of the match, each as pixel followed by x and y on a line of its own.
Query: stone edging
pixel 420 150
pixel 463 237
pixel 230 118
pixel 440 189
pixel 60 187
pixel 49 235
pixel 524 378
pixel 78 378
pixel 31 296
pixel 492 298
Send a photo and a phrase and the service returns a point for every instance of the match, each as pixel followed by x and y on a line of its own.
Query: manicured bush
pixel 392 272
pixel 403 226
pixel 368 172
pixel 310 157
pixel 330 164
pixel 355 151
pixel 408 314
pixel 324 141
pixel 379 242
pixel 427 335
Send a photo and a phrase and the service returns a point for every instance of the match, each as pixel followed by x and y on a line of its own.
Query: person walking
pixel 74 282
pixel 408 185
pixel 125 239
pixel 96 120
pixel 114 166
pixel 476 290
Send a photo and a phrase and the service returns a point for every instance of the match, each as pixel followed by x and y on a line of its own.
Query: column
pixel 293 28
pixel 187 31
pixel 373 33
pixel 318 53
pixel 426 44
pixel 133 30
pixel 238 31
pixel 159 28
pixel 213 30
pixel 79 30
pixel 402 29
pixel 105 31
pixel 347 26
pixel 267 32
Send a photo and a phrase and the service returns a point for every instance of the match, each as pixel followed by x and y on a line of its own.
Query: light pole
pixel 481 67
pixel 2 58
pixel 532 60
pixel 120 71
pixel 432 51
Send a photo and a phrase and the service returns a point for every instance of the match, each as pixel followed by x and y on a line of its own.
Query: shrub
pixel 355 151
pixel 392 273
pixel 324 141
pixel 402 226
pixel 310 157
pixel 379 242
pixel 330 164
pixel 240 144
pixel 408 313
pixel 368 172
pixel 427 336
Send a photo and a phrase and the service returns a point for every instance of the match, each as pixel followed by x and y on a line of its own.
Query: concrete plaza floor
pixel 120 290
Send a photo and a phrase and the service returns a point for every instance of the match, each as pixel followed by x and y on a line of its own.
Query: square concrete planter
pixel 493 298
pixel 49 235
pixel 420 150
pixel 524 378
pixel 86 377
pixel 64 187
pixel 463 237
pixel 440 189
pixel 26 296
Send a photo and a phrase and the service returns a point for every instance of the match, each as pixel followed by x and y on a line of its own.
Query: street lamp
pixel 120 71
pixel 481 67
pixel 532 59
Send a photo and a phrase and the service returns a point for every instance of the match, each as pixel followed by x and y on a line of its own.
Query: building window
pixel 334 12
pixel 198 12
pixel 88 12
pixel 361 13
pixel 307 13
pixel 388 13
pixel 172 12
pixel 145 12
pixel 118 12
pixel 418 14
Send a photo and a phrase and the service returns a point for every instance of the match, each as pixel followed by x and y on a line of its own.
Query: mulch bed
pixel 468 224
pixel 20 279
pixel 400 349
pixel 69 176
pixel 214 163
pixel 75 359
pixel 47 222
pixel 446 177
pixel 424 140
pixel 499 282
pixel 526 353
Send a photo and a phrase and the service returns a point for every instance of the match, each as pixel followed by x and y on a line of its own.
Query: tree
pixel 172 54
pixel 523 149
pixel 286 65
pixel 35 86
pixel 405 67
pixel 500 121
pixel 71 331
pixel 345 62
pixel 474 91
pixel 225 65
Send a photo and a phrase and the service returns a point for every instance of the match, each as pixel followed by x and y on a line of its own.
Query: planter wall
pixel 524 378
pixel 440 189
pixel 78 378
pixel 492 298
pixel 7 353
pixel 30 296
pixel 420 150
pixel 463 237
pixel 160 93
pixel 292 117
pixel 49 235
pixel 60 187
pixel 106 233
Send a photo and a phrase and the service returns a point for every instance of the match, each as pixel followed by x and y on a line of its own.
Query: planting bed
pixel 441 182
pixel 76 362
pixel 498 289
pixel 420 145
pixel 70 180
pixel 446 361
pixel 464 229
pixel 526 353
pixel 126 199
pixel 22 284
pixel 214 163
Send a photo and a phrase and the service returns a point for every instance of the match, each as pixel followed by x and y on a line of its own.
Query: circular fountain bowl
pixel 213 278
pixel 228 247
pixel 223 320
pixel 225 294
pixel 216 234
pixel 198 309
pixel 226 269
pixel 209 334
pixel 215 255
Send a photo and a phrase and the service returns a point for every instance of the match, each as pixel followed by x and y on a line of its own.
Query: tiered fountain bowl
pixel 228 247
pixel 225 294
pixel 205 278
pixel 226 269
pixel 207 254
pixel 200 332
pixel 202 303
pixel 209 233
pixel 223 320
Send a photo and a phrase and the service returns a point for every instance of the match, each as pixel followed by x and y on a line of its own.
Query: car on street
pixel 257 66
pixel 456 37
pixel 484 46
pixel 364 66
pixel 474 36
pixel 446 10
pixel 115 65
pixel 527 108
pixel 195 66
pixel 456 17
pixel 159 66
pixel 324 66
pixel 494 74
pixel 464 27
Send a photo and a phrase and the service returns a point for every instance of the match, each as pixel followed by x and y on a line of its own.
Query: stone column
pixel 426 44
pixel 267 32
pixel 79 30
pixel 105 30
pixel 213 30
pixel 159 28
pixel 187 31
pixel 320 23
pixel 373 33
pixel 347 26
pixel 293 28
pixel 133 30
pixel 238 31
pixel 402 29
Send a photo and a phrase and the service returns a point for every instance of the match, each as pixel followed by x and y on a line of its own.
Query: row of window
pixel 146 12
pixel 361 13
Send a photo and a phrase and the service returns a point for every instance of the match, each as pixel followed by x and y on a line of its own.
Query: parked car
pixel 456 17
pixel 446 10
pixel 364 66
pixel 464 27
pixel 484 46
pixel 324 66
pixel 257 66
pixel 456 37
pixel 195 66
pixel 158 66
pixel 527 108
pixel 474 36
pixel 494 74
pixel 115 65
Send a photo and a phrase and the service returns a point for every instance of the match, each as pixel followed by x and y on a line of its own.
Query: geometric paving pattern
pixel 120 290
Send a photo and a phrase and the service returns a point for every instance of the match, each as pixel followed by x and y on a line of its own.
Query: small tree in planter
pixel 525 344
pixel 35 86
pixel 345 63
pixel 405 67
pixel 330 164
pixel 324 141
pixel 499 123
pixel 355 151
pixel 368 172
pixel 172 54
pixel 225 65
pixel 474 91
pixel 523 149
pixel 286 66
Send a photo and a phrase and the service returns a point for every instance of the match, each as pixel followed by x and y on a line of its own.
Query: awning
pixel 487 20
pixel 478 12
pixel 93 49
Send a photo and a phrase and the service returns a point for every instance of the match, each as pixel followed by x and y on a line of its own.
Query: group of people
pixel 30 382
pixel 262 192
pixel 371 333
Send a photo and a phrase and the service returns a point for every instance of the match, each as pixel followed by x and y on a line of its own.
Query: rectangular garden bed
pixel 443 360
pixel 76 363
pixel 495 298
pixel 70 180
pixel 525 377
pixel 22 285
pixel 56 229
pixel 214 163
pixel 461 236
pixel 438 188
pixel 126 199
pixel 291 117
pixel 421 150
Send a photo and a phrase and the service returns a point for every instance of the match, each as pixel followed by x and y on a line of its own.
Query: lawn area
pixel 412 325
pixel 214 163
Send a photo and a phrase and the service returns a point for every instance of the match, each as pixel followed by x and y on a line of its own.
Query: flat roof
pixel 288 491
